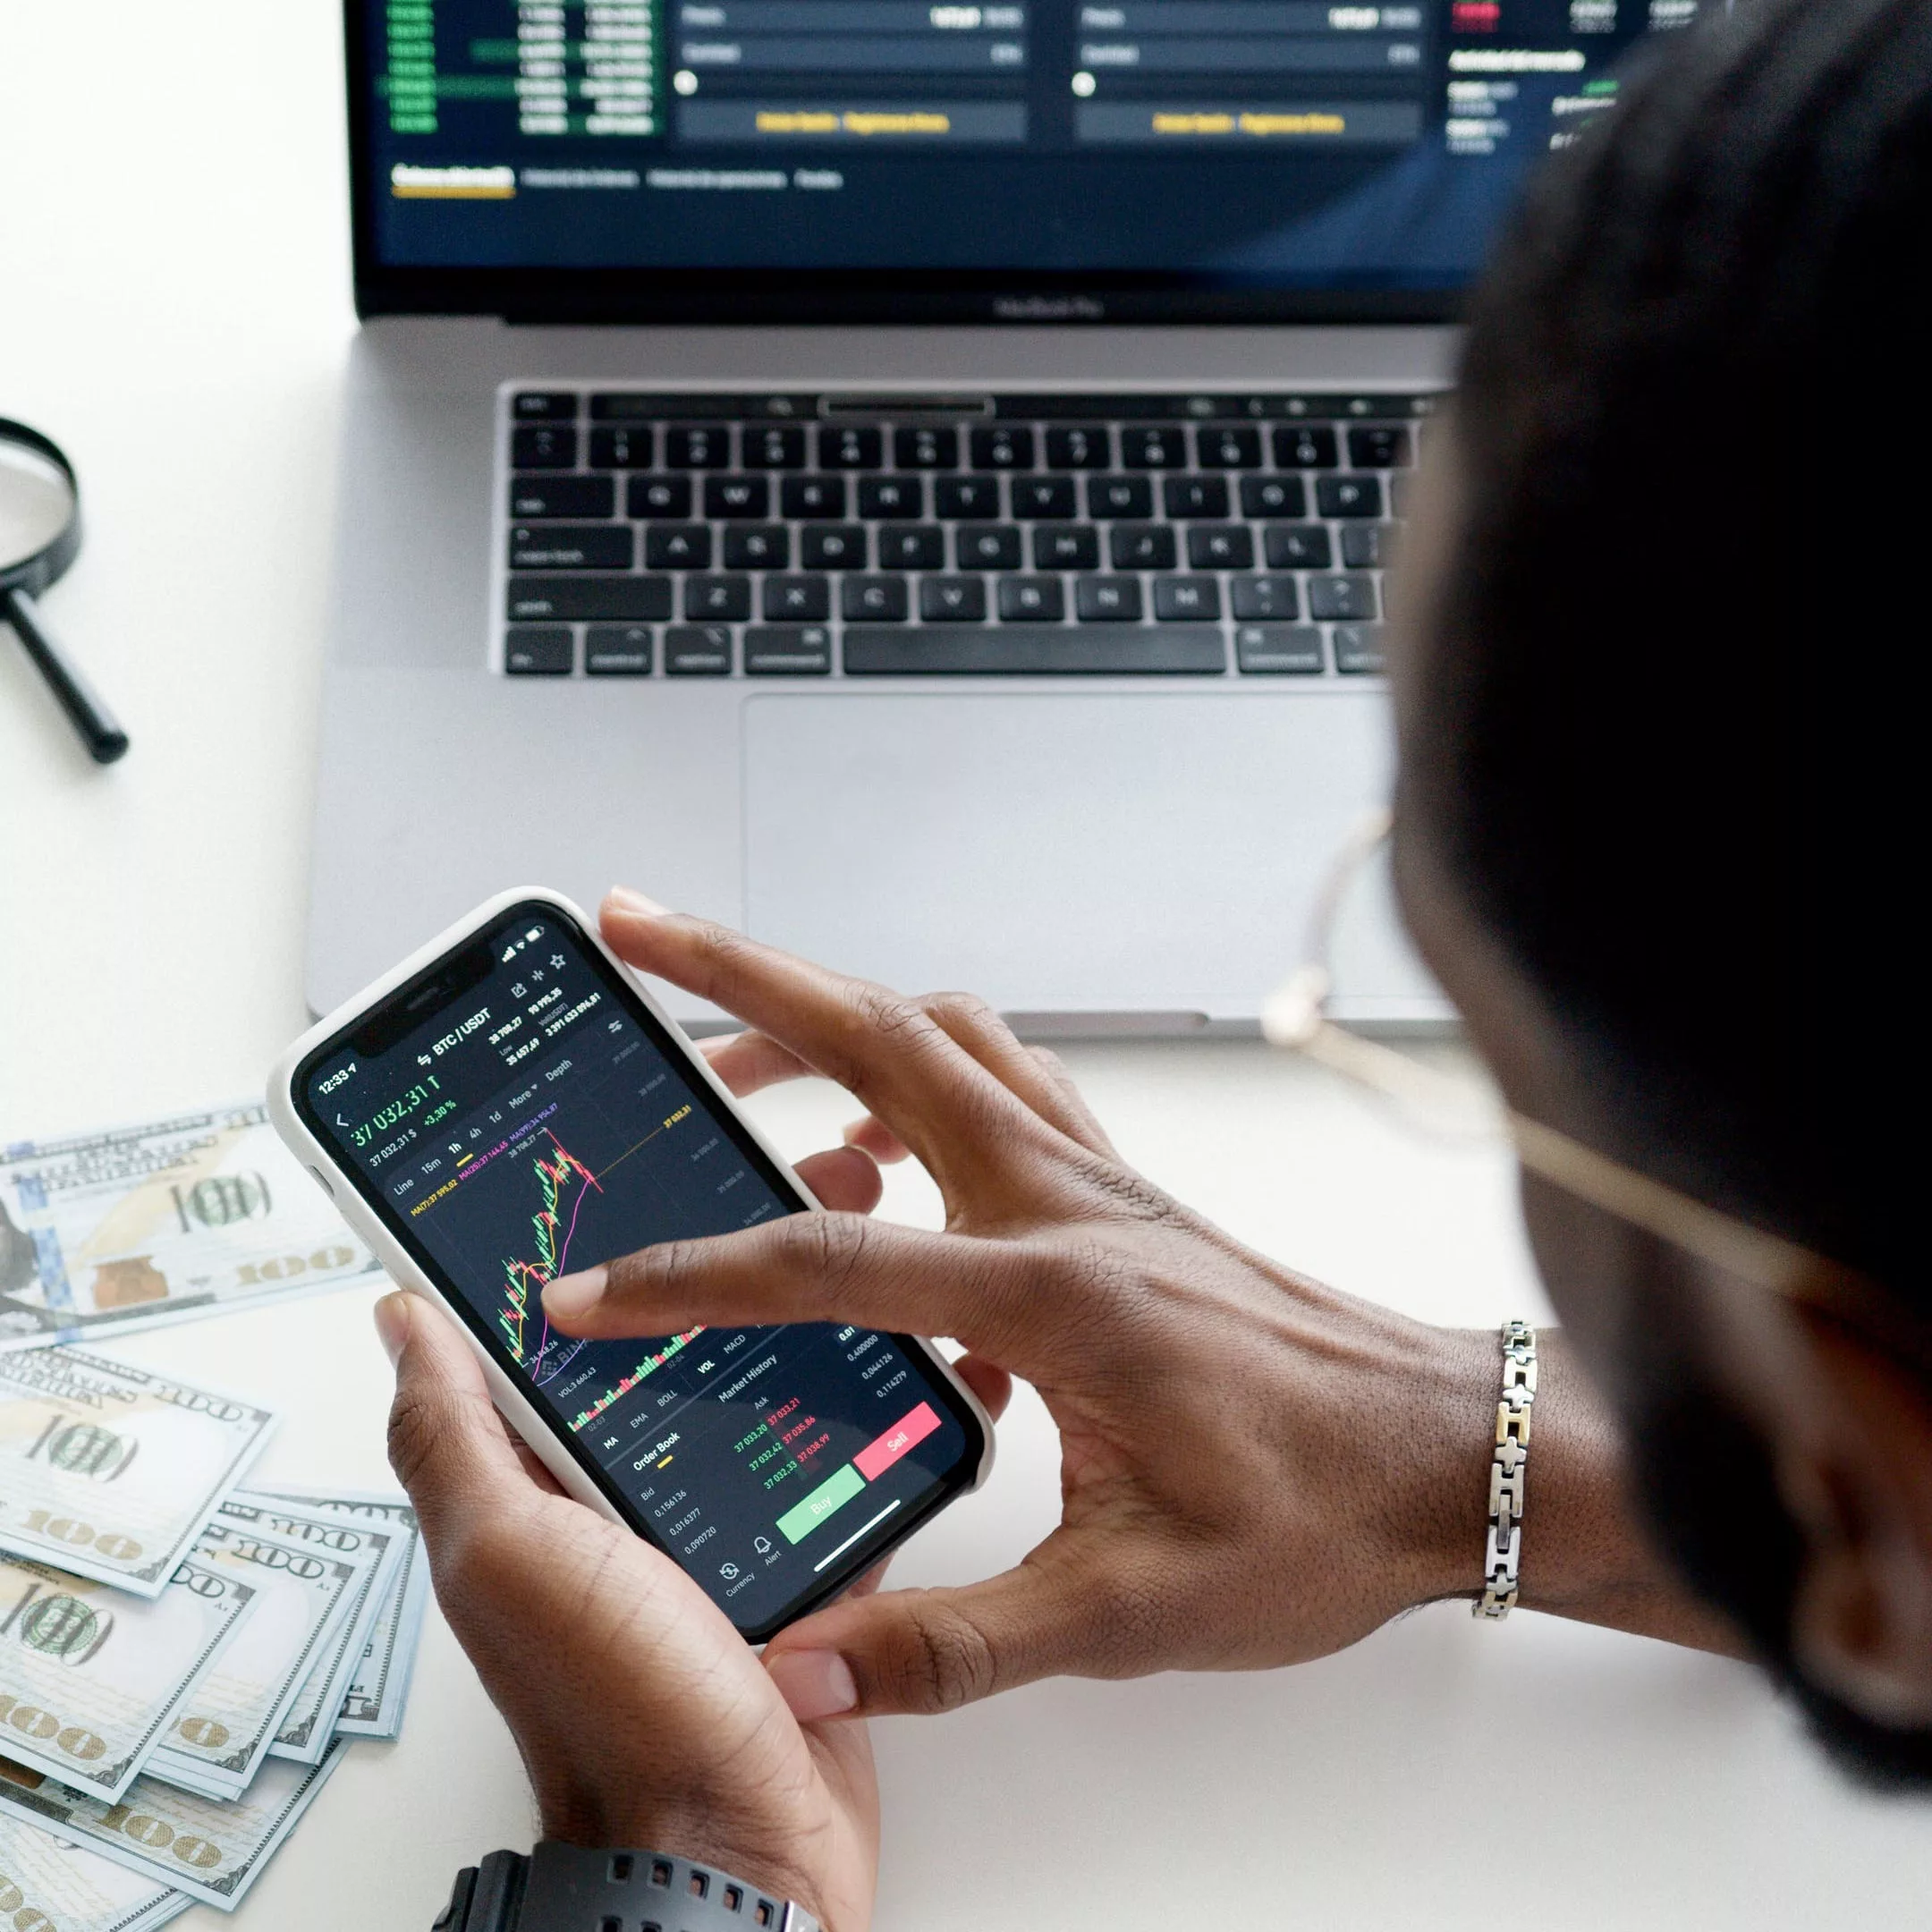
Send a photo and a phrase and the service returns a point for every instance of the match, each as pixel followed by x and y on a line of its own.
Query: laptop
pixel 909 478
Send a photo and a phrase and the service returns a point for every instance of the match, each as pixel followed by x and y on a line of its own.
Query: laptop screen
pixel 1049 158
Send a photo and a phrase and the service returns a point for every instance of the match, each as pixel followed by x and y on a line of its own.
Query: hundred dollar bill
pixel 379 1687
pixel 109 1470
pixel 56 1885
pixel 133 1227
pixel 212 1852
pixel 91 1680
pixel 224 1731
pixel 304 1732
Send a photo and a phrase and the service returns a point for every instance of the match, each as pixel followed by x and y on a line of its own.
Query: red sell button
pixel 875 1458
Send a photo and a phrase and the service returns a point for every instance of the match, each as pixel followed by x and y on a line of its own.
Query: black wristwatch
pixel 570 1888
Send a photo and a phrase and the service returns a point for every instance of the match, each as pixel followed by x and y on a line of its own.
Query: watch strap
pixel 573 1888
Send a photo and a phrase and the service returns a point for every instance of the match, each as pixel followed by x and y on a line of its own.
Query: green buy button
pixel 798 1522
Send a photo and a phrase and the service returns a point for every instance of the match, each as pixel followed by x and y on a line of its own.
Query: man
pixel 1653 804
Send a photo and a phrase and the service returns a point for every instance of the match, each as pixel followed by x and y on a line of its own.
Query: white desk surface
pixel 173 243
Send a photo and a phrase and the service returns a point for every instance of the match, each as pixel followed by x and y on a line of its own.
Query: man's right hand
pixel 1256 1470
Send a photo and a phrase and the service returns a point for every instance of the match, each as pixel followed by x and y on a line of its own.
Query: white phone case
pixel 522 1413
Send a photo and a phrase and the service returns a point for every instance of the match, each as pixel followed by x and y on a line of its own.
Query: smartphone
pixel 510 1104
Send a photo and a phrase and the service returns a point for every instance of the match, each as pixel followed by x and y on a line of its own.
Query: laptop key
pixel 1227 449
pixel 1194 495
pixel 540 496
pixel 572 546
pixel 1141 547
pixel 987 546
pixel 1119 496
pixel 1348 599
pixel 1297 546
pixel 813 496
pixel 622 449
pixel 911 546
pixel 757 546
pixel 774 447
pixel 738 499
pixel 1266 598
pixel 788 650
pixel 718 599
pixel 1146 448
pixel 1220 546
pixel 1305 449
pixel 1358 648
pixel 873 600
pixel 677 547
pixel 1078 449
pixel 619 651
pixel 1380 446
pixel 1006 448
pixel 1362 546
pixel 1107 599
pixel 698 650
pixel 1069 547
pixel 1038 498
pixel 538 651
pixel 543 446
pixel 1348 496
pixel 1036 650
pixel 953 600
pixel 797 600
pixel 926 449
pixel 966 498
pixel 544 405
pixel 833 547
pixel 1036 600
pixel 1273 496
pixel 595 599
pixel 892 496
pixel 849 449
pixel 706 448
pixel 1292 650
pixel 1186 600
pixel 667 497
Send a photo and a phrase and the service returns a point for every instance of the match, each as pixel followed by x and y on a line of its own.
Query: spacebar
pixel 1021 650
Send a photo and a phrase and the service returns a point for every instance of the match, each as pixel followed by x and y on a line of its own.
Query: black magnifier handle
pixel 103 738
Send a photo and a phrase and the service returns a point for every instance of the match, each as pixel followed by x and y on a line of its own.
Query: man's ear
pixel 1857 1473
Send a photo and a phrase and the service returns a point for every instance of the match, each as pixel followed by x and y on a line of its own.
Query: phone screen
pixel 515 1113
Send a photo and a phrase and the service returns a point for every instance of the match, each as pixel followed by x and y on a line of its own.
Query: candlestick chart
pixel 563 1182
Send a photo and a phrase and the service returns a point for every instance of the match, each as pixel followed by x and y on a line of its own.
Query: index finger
pixel 1023 1309
pixel 875 1042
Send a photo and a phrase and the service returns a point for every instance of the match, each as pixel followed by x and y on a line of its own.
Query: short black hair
pixel 1666 728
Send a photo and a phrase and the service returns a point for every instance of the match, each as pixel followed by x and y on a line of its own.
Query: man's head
pixel 1659 793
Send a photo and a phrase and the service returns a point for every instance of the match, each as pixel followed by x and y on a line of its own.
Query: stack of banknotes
pixel 184 1655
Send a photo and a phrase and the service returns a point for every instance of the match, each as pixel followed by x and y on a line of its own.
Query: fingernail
pixel 392 1325
pixel 816 1683
pixel 570 1295
pixel 628 900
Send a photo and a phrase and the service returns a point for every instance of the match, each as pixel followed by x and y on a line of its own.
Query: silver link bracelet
pixel 1509 1473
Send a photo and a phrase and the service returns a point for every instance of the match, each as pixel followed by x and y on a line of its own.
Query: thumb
pixel 447 1445
pixel 924 1651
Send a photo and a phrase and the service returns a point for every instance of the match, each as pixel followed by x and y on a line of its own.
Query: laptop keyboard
pixel 702 535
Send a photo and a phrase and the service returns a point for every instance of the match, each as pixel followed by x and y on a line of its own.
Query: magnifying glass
pixel 39 537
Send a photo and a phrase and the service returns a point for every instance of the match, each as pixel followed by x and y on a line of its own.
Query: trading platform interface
pixel 1261 141
pixel 535 1126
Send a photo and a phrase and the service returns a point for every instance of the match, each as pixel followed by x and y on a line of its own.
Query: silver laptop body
pixel 1091 847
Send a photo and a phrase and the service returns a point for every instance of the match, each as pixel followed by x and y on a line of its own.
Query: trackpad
pixel 1113 852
